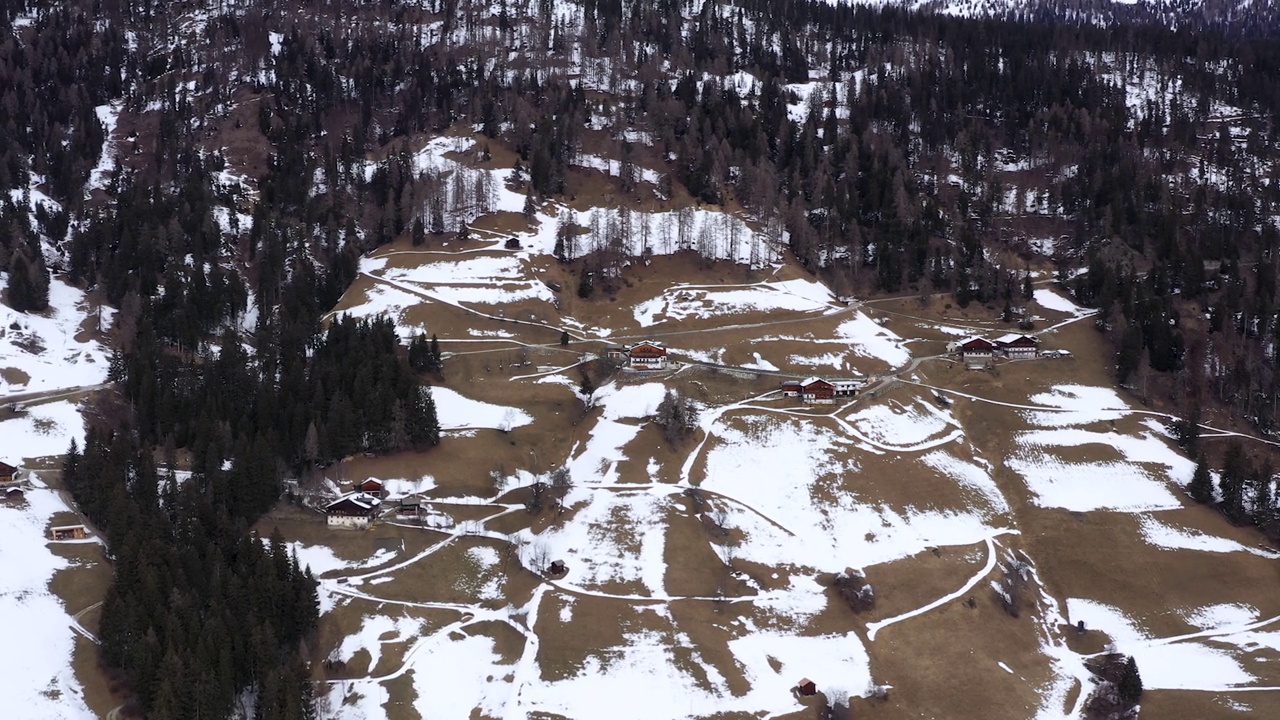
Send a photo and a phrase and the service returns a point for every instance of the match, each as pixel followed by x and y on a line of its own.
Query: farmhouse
pixel 355 510
pixel 1018 346
pixel 7 472
pixel 647 356
pixel 845 387
pixel 977 352
pixel 372 486
pixel 817 391
pixel 68 532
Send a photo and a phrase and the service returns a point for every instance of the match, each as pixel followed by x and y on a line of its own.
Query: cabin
pixel 807 687
pixel 647 356
pixel 7 472
pixel 977 353
pixel 356 510
pixel 790 388
pixel 557 567
pixel 817 391
pixel 13 495
pixel 1018 346
pixel 372 486
pixel 68 532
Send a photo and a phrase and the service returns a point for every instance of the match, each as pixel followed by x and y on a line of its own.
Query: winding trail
pixel 875 627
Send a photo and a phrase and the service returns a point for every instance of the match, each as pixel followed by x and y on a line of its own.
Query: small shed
pixel 806 687
pixel 68 532
pixel 557 567
pixel 13 494
pixel 790 388
pixel 818 391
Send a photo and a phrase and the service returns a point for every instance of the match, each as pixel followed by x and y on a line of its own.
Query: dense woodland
pixel 262 148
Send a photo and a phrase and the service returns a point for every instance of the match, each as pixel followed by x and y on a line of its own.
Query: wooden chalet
pixel 356 510
pixel 372 486
pixel 647 356
pixel 818 391
pixel 7 472
pixel 977 352
pixel 1018 346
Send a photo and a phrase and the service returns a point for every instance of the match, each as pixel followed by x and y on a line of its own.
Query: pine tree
pixel 1130 686
pixel 1201 486
pixel 1231 482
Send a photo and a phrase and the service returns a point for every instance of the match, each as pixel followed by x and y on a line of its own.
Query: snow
pixel 832 359
pixel 971 475
pixel 779 473
pixel 614 541
pixel 373 634
pixel 381 299
pixel 682 302
pixel 904 427
pixel 108 115
pixel 457 412
pixel 1221 615
pixel 760 364
pixel 464 678
pixel 475 268
pixel 39 680
pixel 1082 405
pixel 44 346
pixel 872 340
pixel 1090 486
pixel 400 487
pixel 1050 300
pixel 42 430
pixel 1176 538
pixel 1184 665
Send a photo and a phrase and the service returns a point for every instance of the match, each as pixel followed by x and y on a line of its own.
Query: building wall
pixel 348 521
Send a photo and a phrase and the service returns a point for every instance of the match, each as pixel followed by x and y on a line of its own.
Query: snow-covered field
pixel 44 348
pixel 37 682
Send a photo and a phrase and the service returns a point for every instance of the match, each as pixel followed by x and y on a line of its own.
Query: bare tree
pixel 561 483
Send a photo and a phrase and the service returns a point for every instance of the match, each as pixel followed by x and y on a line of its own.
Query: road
pixel 53 394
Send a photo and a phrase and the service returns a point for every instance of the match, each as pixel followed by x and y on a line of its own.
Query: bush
pixel 852 585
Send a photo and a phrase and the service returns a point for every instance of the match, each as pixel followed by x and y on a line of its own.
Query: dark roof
pixel 354 503
pixel 976 344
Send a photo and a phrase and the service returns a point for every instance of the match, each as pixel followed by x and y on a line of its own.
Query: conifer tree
pixel 1130 685
pixel 1201 486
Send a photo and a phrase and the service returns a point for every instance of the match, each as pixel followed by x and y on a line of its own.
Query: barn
pixel 7 472
pixel 356 510
pixel 790 388
pixel 977 353
pixel 817 391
